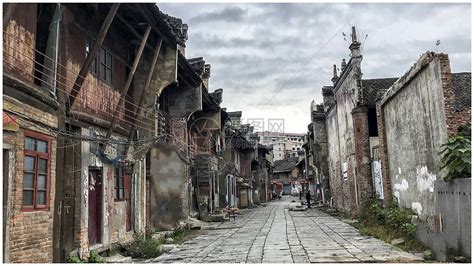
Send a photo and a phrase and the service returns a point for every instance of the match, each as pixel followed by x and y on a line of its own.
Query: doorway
pixel 128 201
pixel 95 206
pixel 6 190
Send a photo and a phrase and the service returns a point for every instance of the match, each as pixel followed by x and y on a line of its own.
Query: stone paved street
pixel 273 234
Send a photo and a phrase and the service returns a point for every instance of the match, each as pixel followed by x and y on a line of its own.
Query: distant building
pixel 285 145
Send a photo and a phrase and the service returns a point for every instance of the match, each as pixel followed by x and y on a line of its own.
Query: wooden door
pixel 128 200
pixel 95 206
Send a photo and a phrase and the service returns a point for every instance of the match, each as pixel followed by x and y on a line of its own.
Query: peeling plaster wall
pixel 168 181
pixel 415 127
pixel 341 142
pixel 335 178
pixel 168 68
pixel 113 212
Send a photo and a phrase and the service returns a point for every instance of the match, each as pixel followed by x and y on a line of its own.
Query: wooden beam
pixel 158 28
pixel 130 27
pixel 125 88
pixel 90 57
pixel 145 88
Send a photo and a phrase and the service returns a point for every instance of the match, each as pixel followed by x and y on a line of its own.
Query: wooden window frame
pixel 117 178
pixel 38 155
pixel 98 68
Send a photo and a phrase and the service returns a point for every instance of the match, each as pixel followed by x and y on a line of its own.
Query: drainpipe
pixel 55 27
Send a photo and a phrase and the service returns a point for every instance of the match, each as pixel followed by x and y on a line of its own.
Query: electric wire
pixel 66 68
pixel 118 117
pixel 86 95
pixel 307 62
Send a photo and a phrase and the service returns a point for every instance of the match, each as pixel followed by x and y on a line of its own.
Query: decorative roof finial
pixel 334 77
pixel 354 34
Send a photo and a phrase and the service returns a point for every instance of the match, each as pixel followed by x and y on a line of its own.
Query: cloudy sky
pixel 272 59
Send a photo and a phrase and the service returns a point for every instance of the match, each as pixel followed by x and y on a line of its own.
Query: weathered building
pixel 284 145
pixel 352 131
pixel 95 113
pixel 239 180
pixel 116 107
pixel 247 155
pixel 207 135
pixel 261 169
pixel 415 117
pixel 286 172
pixel 317 152
pixel 170 160
pixel 29 136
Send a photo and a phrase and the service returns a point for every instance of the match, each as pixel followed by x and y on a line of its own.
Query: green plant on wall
pixel 456 157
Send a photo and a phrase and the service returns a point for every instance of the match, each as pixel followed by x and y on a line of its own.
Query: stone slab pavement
pixel 273 234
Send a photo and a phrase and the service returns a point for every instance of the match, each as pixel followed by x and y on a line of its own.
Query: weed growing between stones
pixel 146 246
pixel 389 224
pixel 143 247
pixel 94 257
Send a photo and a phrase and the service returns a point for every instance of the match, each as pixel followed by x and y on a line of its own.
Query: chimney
pixel 343 65
pixel 355 45
pixel 206 75
pixel 334 76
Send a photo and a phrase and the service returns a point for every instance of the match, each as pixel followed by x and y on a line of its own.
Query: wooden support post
pixel 125 88
pixel 90 57
pixel 145 88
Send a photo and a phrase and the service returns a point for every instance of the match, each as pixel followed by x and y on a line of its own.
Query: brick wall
pixel 454 118
pixel 31 232
pixel 362 154
pixel 18 42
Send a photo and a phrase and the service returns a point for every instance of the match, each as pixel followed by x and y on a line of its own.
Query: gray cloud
pixel 257 49
pixel 231 14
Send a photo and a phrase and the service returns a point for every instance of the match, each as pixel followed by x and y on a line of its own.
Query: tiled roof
pixel 371 87
pixel 285 165
pixel 197 64
pixel 462 90
pixel 179 29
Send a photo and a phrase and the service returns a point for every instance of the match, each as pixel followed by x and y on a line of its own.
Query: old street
pixel 126 126
pixel 273 234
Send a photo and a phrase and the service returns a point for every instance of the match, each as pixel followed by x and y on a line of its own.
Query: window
pixel 105 66
pixel 35 171
pixel 119 182
pixel 102 64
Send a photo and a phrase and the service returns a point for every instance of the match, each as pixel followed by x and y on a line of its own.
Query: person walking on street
pixel 308 198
